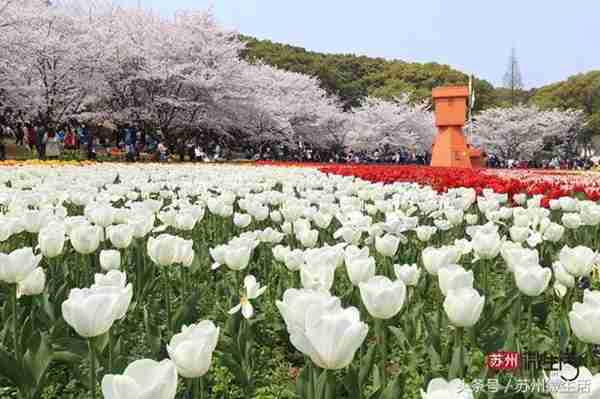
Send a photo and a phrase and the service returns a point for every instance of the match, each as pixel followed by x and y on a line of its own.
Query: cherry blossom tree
pixel 288 107
pixel 396 124
pixel 522 131
pixel 171 73
pixel 52 60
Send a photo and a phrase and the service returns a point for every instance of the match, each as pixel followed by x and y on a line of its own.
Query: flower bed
pixel 551 184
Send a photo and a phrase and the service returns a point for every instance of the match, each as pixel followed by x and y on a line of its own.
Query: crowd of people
pixel 553 163
pixel 136 145
pixel 48 143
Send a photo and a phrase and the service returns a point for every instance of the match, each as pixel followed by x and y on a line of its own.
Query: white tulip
pixel 533 280
pixel 360 269
pixel 185 220
pixel 299 306
pixel 142 379
pixel 559 289
pixel 439 388
pixel 454 277
pixel 424 233
pixel 276 217
pixel 464 307
pixel 382 297
pixel 486 246
pixel 115 285
pixel 562 275
pixel 142 225
pixel 90 312
pixel 52 241
pixel 16 266
pixel 308 238
pixel 317 277
pixel 409 274
pixel 280 252
pixel 185 252
pixel 436 258
pixel 578 261
pixel 163 250
pixel 332 337
pixel 218 255
pixel 387 245
pixel 242 220
pixel 517 256
pixel 192 349
pixel 33 284
pixel 114 278
pixel 294 260
pixel 564 376
pixel 270 235
pixel 86 239
pixel 101 215
pixel 585 318
pixel 471 218
pixel 120 235
pixel 571 220
pixel 519 234
pixel 237 257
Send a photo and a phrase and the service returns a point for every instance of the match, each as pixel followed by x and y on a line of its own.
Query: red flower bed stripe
pixel 551 185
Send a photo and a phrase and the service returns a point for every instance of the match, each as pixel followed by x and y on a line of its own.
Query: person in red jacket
pixel 31 137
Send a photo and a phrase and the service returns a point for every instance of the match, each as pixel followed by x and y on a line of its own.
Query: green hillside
pixel 353 77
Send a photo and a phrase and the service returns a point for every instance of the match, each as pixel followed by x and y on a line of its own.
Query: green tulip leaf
pixel 303 384
pixel 38 356
pixel 366 365
pixel 402 340
pixel 186 313
pixel 377 394
pixel 564 335
pixel 10 369
pixel 76 346
pixel 235 369
pixel 352 384
pixel 455 368
pixel 196 264
pixel 153 335
pixel 99 344
pixel 323 383
pixel 48 307
pixel 394 389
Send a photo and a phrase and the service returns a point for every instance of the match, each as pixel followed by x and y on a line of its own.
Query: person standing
pixel 181 150
pixel 41 140
pixel 53 146
pixel 70 139
pixel 2 144
pixel 31 137
pixel 91 145
pixel 162 152
pixel 19 134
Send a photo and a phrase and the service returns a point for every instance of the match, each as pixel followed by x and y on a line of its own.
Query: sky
pixel 553 39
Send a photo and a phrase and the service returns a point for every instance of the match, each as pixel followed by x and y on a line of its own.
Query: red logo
pixel 503 361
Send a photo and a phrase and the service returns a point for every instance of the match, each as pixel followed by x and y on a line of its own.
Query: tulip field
pixel 148 281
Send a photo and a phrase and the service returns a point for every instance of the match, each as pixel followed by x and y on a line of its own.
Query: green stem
pixel 382 346
pixel 460 341
pixel 167 293
pixel 92 369
pixel 110 351
pixel 15 320
pixel 198 388
pixel 485 278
